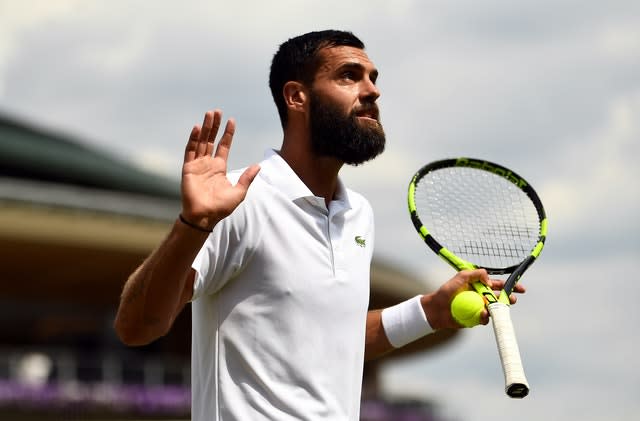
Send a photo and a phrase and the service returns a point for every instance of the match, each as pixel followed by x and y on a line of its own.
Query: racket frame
pixel 516 385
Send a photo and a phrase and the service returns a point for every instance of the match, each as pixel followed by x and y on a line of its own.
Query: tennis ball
pixel 466 308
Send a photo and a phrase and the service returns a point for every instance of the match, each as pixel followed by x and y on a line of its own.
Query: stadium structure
pixel 74 223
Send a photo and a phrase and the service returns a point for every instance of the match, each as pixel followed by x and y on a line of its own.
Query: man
pixel 275 258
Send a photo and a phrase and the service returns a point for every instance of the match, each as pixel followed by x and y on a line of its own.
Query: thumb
pixel 248 176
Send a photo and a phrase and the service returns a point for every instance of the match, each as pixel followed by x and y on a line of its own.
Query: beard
pixel 344 137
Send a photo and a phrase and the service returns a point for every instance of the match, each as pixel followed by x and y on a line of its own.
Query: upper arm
pixel 187 292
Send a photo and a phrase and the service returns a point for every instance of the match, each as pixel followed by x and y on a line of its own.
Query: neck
pixel 319 174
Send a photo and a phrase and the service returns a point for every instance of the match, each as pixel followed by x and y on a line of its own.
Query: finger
pixel 484 317
pixel 498 284
pixel 519 288
pixel 248 176
pixel 215 125
pixel 211 139
pixel 192 144
pixel 480 275
pixel 207 127
pixel 465 279
pixel 222 151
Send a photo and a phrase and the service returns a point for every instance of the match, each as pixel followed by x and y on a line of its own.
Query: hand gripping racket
pixel 477 214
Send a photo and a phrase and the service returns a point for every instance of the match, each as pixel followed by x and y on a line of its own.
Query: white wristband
pixel 405 322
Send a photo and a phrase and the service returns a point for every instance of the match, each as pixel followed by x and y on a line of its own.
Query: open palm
pixel 207 194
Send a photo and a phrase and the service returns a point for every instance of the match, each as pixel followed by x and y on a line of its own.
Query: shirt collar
pixel 277 172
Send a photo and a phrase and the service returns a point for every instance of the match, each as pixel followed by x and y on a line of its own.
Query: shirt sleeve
pixel 226 250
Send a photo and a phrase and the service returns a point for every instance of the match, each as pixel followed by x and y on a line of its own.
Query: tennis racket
pixel 477 214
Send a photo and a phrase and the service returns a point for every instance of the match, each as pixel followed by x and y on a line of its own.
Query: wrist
pixel 201 226
pixel 406 322
pixel 437 311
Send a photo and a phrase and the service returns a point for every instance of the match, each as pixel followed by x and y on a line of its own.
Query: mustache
pixel 370 108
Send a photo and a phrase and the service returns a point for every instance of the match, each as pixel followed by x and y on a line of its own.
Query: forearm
pixel 376 342
pixel 155 293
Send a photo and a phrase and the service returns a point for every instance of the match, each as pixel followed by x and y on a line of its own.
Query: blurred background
pixel 97 100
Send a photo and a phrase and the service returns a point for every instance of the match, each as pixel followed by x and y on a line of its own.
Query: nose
pixel 370 91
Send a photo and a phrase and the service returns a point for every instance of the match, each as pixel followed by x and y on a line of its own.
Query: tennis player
pixel 275 258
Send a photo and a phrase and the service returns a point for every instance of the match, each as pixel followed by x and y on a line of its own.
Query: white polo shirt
pixel 280 303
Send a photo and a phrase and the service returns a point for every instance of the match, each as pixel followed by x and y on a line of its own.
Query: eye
pixel 348 75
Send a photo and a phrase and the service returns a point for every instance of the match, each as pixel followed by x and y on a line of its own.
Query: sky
pixel 548 88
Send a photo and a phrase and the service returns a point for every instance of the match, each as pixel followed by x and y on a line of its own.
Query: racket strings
pixel 477 215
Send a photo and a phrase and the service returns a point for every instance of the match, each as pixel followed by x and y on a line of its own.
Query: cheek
pixel 343 97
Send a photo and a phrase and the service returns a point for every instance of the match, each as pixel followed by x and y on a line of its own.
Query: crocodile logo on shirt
pixel 360 241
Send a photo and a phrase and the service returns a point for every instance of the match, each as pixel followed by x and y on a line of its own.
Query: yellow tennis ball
pixel 467 307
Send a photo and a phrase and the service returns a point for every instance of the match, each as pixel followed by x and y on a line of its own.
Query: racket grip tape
pixel 516 385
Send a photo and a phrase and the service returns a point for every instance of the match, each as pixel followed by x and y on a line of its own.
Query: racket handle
pixel 516 385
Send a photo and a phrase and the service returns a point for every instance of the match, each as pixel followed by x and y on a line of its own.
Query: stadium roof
pixel 30 153
pixel 47 168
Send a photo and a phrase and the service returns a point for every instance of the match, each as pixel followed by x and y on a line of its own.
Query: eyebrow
pixel 360 67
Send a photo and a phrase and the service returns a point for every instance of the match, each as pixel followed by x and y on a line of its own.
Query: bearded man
pixel 275 258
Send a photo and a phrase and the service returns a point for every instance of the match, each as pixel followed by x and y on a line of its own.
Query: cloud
pixel 592 198
pixel 550 89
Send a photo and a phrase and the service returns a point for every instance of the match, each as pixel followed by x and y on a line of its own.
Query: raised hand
pixel 207 195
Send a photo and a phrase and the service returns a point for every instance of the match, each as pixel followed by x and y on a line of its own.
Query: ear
pixel 295 96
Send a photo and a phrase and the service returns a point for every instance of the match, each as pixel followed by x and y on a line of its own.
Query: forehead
pixel 332 58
